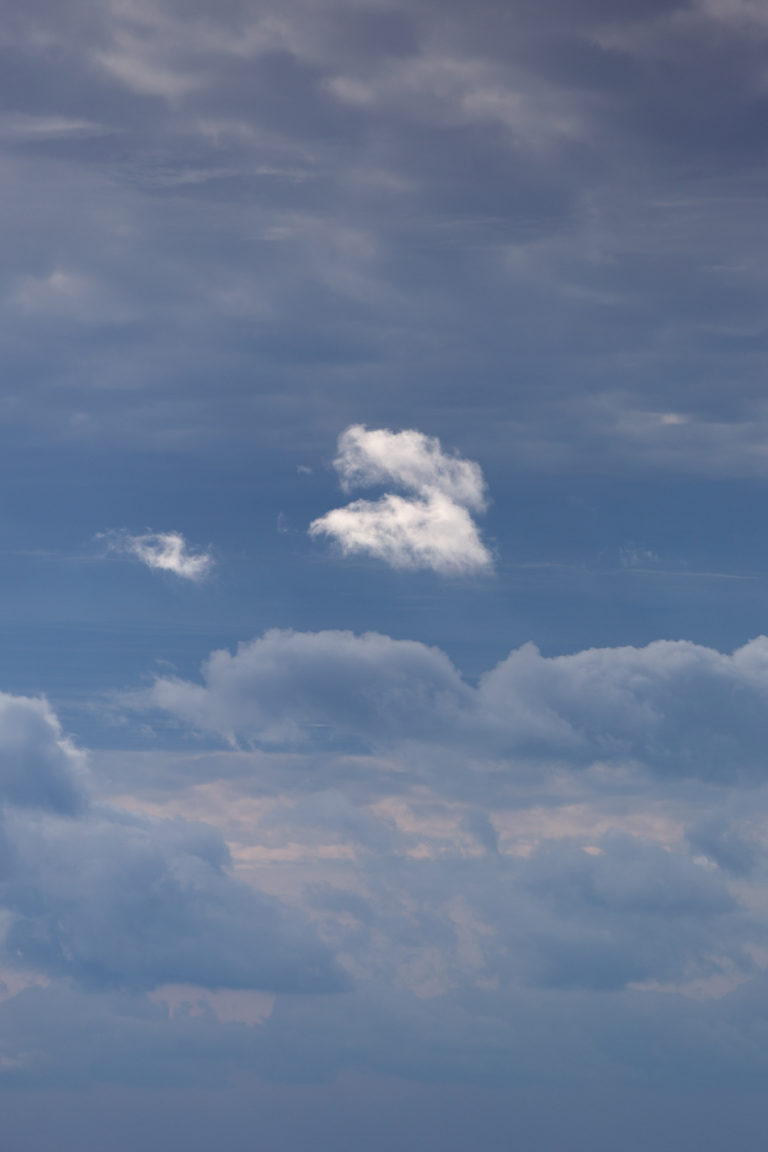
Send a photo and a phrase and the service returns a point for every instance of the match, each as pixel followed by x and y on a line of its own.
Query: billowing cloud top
pixel 675 708
pixel 163 552
pixel 432 526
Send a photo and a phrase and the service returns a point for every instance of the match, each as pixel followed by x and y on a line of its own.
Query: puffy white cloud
pixel 163 552
pixel 430 533
pixel 410 460
pixel 431 527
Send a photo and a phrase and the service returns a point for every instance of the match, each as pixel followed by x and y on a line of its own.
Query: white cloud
pixel 432 533
pixel 163 552
pixel 410 460
pixel 432 528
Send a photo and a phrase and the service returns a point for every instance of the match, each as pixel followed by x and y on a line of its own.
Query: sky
pixel 383 575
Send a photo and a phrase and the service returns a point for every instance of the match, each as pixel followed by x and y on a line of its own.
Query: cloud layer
pixel 483 872
pixel 432 528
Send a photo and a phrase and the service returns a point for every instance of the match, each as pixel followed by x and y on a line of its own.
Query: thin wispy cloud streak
pixel 161 552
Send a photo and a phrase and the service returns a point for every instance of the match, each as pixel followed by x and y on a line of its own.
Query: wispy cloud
pixel 163 552
pixel 432 526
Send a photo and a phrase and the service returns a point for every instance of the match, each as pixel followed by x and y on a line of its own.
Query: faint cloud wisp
pixel 162 552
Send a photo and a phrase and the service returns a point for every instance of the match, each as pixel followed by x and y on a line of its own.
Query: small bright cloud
pixel 163 552
pixel 432 526
pixel 408 460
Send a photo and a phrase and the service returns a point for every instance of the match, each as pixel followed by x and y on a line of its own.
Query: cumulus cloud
pixel 429 528
pixel 672 707
pixel 114 899
pixel 163 552
pixel 548 825
pixel 39 766
pixel 327 687
pixel 679 708
pixel 409 460
pixel 447 924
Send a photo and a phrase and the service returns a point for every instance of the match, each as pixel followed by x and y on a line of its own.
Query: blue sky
pixel 383 575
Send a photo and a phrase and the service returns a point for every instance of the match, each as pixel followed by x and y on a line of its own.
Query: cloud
pixel 465 945
pixel 39 766
pixel 409 460
pixel 121 901
pixel 680 709
pixel 431 533
pixel 163 552
pixel 673 708
pixel 327 688
pixel 112 899
pixel 629 911
pixel 431 528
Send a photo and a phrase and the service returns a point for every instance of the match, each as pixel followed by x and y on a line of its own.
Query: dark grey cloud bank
pixel 558 203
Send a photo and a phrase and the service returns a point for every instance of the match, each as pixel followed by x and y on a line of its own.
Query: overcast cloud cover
pixel 383 678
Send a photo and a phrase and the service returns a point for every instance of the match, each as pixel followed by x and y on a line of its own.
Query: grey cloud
pixel 489 167
pixel 465 1017
pixel 111 899
pixel 632 911
pixel 679 707
pixel 676 708
pixel 126 902
pixel 458 955
pixel 732 845
pixel 325 688
pixel 39 767
pixel 434 172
